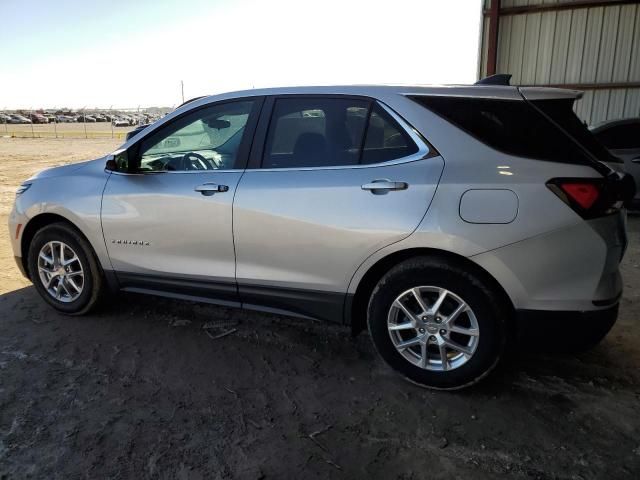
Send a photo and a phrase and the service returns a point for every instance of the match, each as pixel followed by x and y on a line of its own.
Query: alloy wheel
pixel 60 271
pixel 433 328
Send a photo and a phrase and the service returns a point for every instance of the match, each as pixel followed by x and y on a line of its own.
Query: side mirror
pixel 118 161
pixel 111 165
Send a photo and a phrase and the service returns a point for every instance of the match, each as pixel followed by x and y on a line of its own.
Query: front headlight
pixel 22 188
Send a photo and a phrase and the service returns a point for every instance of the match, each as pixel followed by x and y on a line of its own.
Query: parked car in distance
pixel 4 118
pixel 65 119
pixel 18 119
pixel 443 219
pixel 136 130
pixel 38 118
pixel 622 138
pixel 120 122
pixel 85 119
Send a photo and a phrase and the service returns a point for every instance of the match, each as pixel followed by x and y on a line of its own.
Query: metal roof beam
pixel 590 86
pixel 556 6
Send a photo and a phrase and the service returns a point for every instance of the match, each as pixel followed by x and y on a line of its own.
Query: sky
pixel 130 53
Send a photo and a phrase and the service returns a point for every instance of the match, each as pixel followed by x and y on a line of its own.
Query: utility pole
pixel 182 88
pixel 84 117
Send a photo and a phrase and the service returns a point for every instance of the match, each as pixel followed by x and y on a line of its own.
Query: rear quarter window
pixel 510 126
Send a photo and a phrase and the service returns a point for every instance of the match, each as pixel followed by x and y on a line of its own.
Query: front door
pixel 167 220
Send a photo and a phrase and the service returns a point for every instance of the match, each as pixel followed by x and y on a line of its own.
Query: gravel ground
pixel 143 388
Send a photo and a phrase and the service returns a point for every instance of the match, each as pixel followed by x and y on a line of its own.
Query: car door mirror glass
pixel 118 161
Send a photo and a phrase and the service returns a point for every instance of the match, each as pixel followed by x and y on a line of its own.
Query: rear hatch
pixel 556 105
pixel 598 200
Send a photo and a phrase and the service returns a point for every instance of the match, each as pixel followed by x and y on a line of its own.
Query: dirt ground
pixel 140 389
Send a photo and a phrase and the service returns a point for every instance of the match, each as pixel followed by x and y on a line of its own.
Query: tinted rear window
pixel 517 128
pixel 562 114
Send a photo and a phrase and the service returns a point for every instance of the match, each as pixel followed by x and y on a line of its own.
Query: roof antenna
pixel 497 79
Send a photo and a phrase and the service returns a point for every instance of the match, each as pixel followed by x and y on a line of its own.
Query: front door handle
pixel 380 187
pixel 636 159
pixel 209 189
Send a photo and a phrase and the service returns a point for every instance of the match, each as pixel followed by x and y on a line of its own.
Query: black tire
pixel 93 287
pixel 490 312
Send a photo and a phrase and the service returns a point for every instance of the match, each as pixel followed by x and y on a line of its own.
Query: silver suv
pixel 448 220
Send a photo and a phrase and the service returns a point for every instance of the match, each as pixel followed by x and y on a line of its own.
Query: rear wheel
pixel 64 270
pixel 436 323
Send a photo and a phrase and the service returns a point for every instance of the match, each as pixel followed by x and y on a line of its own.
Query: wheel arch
pixel 36 224
pixel 356 306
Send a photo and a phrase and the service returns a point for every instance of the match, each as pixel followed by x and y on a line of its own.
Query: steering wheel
pixel 187 163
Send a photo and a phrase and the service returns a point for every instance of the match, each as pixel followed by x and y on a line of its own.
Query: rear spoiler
pixel 531 93
pixel 549 93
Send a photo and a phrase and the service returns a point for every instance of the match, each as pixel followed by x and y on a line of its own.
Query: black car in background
pixel 622 138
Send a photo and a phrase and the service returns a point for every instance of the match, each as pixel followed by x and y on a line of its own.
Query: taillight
pixel 589 197
pixel 584 194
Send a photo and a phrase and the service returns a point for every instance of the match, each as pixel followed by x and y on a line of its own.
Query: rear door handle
pixel 208 189
pixel 380 187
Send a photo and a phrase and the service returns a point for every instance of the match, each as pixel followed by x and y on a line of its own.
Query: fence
pixel 64 130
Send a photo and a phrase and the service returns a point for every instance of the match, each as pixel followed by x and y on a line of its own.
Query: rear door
pixel 331 180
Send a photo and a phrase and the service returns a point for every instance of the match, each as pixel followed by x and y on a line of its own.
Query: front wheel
pixel 437 323
pixel 64 270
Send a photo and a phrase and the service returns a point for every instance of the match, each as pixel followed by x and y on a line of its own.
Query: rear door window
pixel 385 140
pixel 315 132
pixel 323 132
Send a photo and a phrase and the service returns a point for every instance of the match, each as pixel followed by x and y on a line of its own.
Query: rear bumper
pixel 563 331
pixel 572 269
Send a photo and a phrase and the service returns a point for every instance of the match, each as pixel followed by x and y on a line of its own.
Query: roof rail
pixel 497 79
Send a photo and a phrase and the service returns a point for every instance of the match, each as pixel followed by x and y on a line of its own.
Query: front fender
pixel 76 198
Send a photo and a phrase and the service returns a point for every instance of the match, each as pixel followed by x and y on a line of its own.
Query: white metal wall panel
pixel 608 37
pixel 560 47
pixel 600 107
pixel 516 46
pixel 545 48
pixel 624 41
pixel 530 48
pixel 632 103
pixel 504 45
pixel 581 46
pixel 634 68
pixel 615 108
pixel 591 48
pixel 576 46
